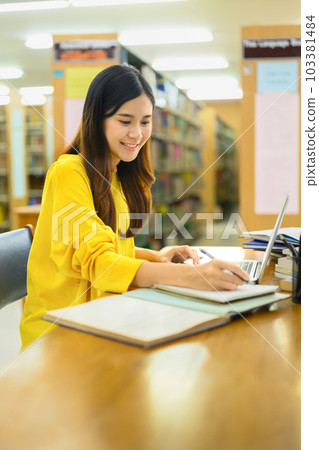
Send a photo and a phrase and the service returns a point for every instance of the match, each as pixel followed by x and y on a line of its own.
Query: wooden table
pixel 236 387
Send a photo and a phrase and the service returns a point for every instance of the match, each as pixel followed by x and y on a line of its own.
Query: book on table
pixel 262 245
pixel 286 262
pixel 291 234
pixel 285 270
pixel 287 251
pixel 287 284
pixel 149 317
pixel 242 292
pixel 286 267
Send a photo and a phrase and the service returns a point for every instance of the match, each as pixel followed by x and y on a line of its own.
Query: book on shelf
pixel 147 317
pixel 291 234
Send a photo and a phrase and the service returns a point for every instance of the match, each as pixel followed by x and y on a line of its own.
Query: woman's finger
pixel 233 268
pixel 189 253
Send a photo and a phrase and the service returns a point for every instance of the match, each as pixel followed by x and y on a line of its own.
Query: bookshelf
pixel 26 151
pixel 226 168
pixel 221 175
pixel 35 146
pixel 4 171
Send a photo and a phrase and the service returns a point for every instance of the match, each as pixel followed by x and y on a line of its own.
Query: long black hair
pixel 109 90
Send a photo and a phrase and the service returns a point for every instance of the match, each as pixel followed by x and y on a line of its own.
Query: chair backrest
pixel 14 253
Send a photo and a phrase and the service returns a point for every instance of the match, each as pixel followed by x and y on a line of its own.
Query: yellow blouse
pixel 74 257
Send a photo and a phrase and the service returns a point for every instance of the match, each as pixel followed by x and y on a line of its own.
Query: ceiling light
pixel 36 99
pixel 117 2
pixel 4 90
pixel 215 94
pixel 206 82
pixel 39 41
pixel 165 36
pixel 7 73
pixel 43 90
pixel 4 100
pixel 30 6
pixel 190 63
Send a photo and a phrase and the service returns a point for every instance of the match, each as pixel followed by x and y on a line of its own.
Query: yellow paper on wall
pixel 78 79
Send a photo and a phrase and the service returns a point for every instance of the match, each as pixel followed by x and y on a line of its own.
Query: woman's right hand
pixel 212 275
pixel 206 277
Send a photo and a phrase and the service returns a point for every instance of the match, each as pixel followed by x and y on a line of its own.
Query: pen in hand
pixel 205 252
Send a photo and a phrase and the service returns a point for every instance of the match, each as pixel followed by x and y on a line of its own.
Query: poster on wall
pixel 72 118
pixel 277 135
pixel 77 82
pixel 277 77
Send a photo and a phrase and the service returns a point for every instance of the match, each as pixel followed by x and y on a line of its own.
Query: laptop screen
pixel 273 237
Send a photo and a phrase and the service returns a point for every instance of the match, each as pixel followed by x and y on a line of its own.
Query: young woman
pixel 83 246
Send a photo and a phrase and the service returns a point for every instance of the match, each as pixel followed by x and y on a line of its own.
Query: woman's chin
pixel 129 157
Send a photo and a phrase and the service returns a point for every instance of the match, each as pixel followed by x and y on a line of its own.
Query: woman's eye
pixel 145 123
pixel 125 122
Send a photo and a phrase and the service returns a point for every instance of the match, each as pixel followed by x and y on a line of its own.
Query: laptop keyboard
pixel 246 265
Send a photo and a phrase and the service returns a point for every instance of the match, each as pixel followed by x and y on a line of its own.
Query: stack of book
pixel 260 239
pixel 286 269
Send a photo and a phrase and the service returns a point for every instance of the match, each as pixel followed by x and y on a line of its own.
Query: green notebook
pixel 228 310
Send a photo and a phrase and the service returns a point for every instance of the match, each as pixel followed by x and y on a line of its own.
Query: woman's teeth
pixel 130 145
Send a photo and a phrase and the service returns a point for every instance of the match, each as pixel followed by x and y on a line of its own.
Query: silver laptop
pixel 256 269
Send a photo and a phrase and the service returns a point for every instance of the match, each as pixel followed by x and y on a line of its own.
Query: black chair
pixel 14 253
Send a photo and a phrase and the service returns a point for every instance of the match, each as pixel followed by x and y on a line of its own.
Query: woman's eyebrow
pixel 132 116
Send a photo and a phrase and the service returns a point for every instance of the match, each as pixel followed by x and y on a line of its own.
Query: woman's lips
pixel 130 146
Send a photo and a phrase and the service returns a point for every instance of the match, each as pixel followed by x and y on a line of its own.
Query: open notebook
pixel 146 317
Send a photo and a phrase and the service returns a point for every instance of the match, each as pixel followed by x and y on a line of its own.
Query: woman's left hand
pixel 178 254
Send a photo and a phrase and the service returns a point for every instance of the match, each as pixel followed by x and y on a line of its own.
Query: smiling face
pixel 128 129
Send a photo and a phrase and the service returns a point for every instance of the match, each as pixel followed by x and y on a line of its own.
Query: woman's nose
pixel 135 131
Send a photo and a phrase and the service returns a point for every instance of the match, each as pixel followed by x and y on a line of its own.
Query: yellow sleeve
pixel 82 245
